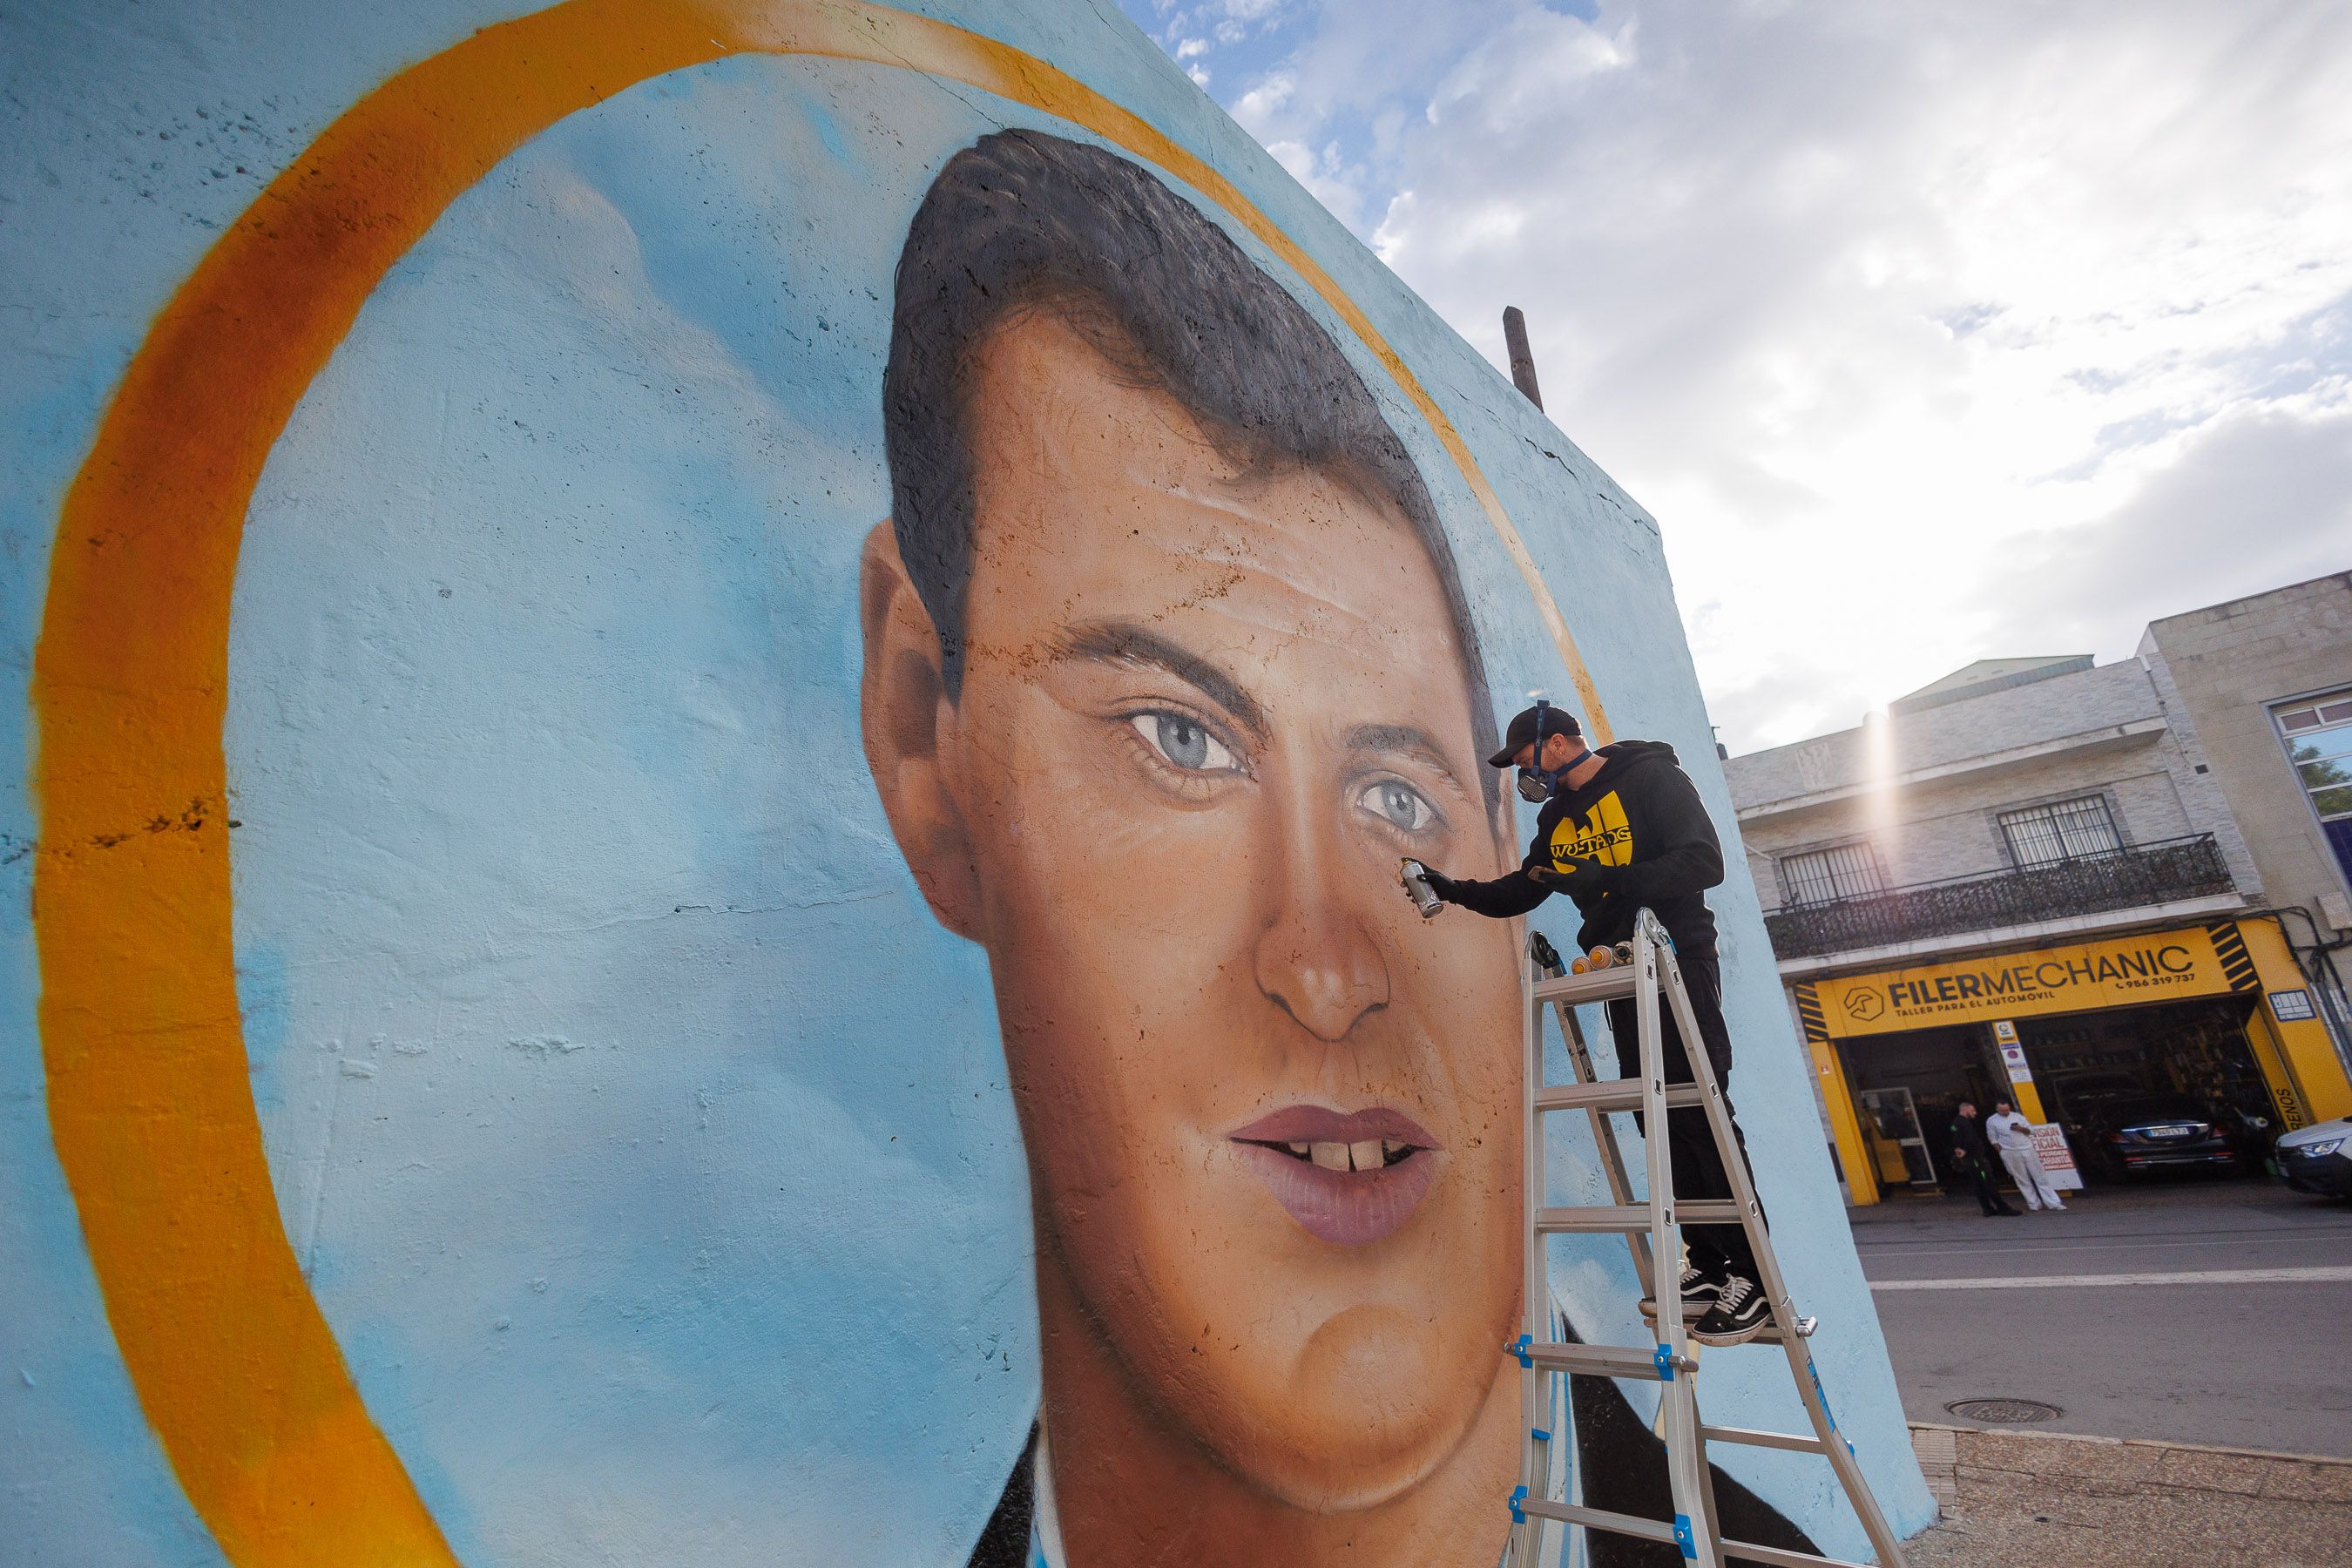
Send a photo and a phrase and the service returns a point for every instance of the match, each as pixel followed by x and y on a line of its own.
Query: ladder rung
pixel 1611 1094
pixel 1600 1519
pixel 1657 1529
pixel 1777 1557
pixel 1606 1219
pixel 1601 1361
pixel 1769 1335
pixel 1593 985
pixel 1756 1439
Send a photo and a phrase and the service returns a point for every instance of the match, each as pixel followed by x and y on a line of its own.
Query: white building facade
pixel 2025 881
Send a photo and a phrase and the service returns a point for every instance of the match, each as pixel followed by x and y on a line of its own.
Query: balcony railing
pixel 2158 873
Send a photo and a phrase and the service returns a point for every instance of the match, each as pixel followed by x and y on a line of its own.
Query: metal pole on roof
pixel 1523 362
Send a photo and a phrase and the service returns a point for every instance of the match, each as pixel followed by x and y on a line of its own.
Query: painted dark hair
pixel 1021 221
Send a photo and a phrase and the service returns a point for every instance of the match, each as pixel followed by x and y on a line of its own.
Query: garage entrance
pixel 2197 1050
pixel 1908 1086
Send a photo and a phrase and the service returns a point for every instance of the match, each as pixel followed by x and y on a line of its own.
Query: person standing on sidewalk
pixel 1972 1158
pixel 2013 1139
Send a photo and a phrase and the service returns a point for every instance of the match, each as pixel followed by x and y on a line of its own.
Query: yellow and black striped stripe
pixel 2229 947
pixel 1809 1012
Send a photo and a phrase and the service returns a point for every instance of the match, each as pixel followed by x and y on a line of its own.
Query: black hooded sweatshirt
pixel 1640 817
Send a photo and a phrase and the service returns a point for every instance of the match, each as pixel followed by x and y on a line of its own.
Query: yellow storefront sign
pixel 2129 971
pixel 2250 960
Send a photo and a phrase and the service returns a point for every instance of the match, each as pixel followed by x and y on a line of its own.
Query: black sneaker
pixel 1740 1312
pixel 1700 1290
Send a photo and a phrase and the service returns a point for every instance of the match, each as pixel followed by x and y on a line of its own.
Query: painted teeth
pixel 1367 1155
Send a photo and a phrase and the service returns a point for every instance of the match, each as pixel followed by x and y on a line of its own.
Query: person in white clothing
pixel 2013 1135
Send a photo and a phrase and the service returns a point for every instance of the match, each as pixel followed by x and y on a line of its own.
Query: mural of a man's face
pixel 1270 1115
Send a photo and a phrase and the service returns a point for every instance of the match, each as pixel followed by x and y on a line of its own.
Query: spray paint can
pixel 1415 877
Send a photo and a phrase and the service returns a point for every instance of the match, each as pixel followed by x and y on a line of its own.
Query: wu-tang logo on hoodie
pixel 1602 835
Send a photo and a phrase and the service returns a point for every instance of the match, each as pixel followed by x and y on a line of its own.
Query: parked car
pixel 2317 1159
pixel 2140 1135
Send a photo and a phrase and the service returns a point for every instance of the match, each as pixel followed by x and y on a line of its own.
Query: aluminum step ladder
pixel 1653 1229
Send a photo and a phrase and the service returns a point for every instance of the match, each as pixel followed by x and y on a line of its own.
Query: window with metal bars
pixel 1825 876
pixel 2062 830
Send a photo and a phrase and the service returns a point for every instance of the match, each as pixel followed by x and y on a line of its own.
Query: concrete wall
pixel 2219 669
pixel 1960 766
pixel 588 975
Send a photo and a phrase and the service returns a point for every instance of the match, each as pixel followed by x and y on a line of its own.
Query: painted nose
pixel 1316 959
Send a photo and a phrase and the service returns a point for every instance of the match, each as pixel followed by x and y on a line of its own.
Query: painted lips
pixel 1349 1177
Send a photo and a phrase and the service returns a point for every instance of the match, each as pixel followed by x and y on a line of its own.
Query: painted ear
pixel 905 712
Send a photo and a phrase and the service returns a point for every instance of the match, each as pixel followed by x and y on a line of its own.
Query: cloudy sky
pixel 1929 332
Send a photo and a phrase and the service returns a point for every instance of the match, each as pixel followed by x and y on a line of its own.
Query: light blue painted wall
pixel 646 1143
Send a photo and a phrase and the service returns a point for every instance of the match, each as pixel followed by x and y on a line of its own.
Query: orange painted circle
pixel 142 1045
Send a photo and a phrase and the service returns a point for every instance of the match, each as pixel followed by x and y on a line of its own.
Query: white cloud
pixel 2258 496
pixel 1907 322
pixel 1327 174
pixel 1260 108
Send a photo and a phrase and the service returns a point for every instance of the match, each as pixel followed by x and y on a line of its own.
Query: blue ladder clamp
pixel 1664 1358
pixel 1518 1496
pixel 1682 1536
pixel 1518 1348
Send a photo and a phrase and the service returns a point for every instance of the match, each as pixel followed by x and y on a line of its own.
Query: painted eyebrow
pixel 1124 642
pixel 1410 739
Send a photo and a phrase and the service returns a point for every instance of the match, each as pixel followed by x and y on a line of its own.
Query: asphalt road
pixel 2210 1312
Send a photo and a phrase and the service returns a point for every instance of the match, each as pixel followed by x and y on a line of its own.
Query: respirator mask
pixel 1538 783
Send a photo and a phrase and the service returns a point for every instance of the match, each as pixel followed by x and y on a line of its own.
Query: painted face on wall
pixel 1271 1116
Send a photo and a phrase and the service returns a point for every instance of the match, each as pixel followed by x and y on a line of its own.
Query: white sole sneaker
pixel 1733 1336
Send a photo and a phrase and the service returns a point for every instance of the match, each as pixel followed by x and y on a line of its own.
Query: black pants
pixel 1987 1194
pixel 1698 1164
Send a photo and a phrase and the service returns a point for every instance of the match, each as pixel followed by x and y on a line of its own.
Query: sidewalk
pixel 2014 1499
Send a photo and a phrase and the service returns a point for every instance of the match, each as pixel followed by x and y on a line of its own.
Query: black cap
pixel 1556 722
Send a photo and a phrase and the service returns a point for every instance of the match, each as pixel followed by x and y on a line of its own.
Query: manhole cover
pixel 2005 1412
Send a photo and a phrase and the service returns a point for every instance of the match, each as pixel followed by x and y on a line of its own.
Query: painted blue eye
pixel 1185 743
pixel 1399 804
